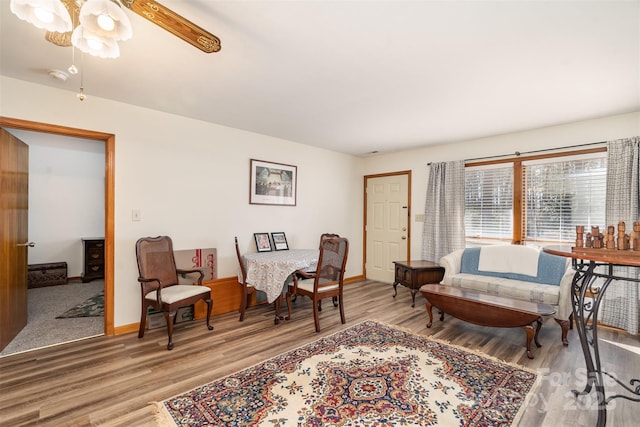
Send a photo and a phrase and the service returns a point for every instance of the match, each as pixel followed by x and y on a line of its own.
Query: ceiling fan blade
pixel 175 24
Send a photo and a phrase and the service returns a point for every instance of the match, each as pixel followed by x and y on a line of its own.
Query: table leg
pixel 395 289
pixel 413 297
pixel 585 313
pixel 586 316
pixel 430 322
pixel 535 337
pixel 278 302
pixel 530 330
pixel 277 306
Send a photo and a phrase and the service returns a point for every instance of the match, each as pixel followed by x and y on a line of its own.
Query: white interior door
pixel 387 231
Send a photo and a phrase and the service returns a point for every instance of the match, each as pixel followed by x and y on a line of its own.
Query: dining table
pixel 270 271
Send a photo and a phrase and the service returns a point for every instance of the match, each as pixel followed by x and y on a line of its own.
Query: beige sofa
pixel 517 272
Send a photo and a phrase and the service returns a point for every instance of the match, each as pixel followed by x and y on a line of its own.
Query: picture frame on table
pixel 279 241
pixel 263 244
pixel 272 183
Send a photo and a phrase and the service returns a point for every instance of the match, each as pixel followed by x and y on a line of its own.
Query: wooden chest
pixel 48 274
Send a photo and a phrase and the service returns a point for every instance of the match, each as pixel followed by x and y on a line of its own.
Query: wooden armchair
pixel 158 277
pixel 328 279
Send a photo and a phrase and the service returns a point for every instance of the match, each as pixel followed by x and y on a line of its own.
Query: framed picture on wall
pixel 272 183
pixel 263 244
pixel 279 241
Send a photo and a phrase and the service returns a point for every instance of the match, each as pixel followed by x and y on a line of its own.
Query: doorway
pixel 109 150
pixel 387 226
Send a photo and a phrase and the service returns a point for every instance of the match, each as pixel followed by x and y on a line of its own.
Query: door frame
pixel 109 143
pixel 364 222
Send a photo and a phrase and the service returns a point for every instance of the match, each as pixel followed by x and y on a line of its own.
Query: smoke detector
pixel 59 75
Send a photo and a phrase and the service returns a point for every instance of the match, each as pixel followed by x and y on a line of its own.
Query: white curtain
pixel 620 306
pixel 443 230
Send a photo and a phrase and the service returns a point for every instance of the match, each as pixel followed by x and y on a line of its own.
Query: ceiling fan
pixel 148 9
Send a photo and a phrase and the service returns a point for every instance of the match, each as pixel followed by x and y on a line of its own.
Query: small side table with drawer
pixel 93 258
pixel 415 273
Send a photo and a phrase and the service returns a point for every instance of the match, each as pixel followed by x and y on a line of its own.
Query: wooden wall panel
pixel 226 293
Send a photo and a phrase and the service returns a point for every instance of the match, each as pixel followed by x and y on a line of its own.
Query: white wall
pixel 604 129
pixel 66 196
pixel 190 180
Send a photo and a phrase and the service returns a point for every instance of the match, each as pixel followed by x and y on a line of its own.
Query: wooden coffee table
pixel 487 310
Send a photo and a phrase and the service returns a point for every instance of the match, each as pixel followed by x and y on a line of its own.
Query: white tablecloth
pixel 268 271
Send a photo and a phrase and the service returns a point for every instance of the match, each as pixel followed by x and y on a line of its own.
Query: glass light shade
pixel 94 44
pixel 50 15
pixel 106 22
pixel 95 16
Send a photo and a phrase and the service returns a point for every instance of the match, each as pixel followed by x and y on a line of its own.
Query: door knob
pixel 404 237
pixel 30 244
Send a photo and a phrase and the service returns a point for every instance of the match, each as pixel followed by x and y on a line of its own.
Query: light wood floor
pixel 112 380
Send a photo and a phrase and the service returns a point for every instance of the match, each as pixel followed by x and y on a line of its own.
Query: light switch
pixel 135 215
pixel 419 217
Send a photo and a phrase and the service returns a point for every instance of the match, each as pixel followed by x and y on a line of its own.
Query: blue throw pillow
pixel 551 268
pixel 470 260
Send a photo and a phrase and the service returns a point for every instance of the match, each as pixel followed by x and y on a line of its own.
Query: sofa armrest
pixel 451 264
pixel 564 301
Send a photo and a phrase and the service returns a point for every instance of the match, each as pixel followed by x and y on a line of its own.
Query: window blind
pixel 489 201
pixel 560 193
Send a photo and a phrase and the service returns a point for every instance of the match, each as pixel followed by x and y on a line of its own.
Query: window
pixel 489 202
pixel 540 199
pixel 562 193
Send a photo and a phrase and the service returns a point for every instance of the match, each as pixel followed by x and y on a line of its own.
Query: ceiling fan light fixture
pixel 94 44
pixel 106 18
pixel 50 15
pixel 106 22
pixel 43 15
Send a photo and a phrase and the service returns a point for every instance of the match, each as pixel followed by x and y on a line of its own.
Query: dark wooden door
pixel 14 205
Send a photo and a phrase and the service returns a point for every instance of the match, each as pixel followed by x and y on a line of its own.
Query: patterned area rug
pixel 92 307
pixel 370 374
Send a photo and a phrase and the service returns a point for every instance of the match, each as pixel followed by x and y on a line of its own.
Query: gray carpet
pixel 44 304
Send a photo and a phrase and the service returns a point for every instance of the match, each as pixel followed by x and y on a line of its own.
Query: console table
pixel 591 284
pixel 414 274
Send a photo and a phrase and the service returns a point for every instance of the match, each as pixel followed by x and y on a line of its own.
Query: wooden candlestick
pixel 579 236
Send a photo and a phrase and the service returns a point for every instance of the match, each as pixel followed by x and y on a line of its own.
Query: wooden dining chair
pixel 323 237
pixel 247 289
pixel 158 277
pixel 327 281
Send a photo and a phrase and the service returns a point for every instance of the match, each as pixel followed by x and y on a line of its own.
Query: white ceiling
pixel 364 76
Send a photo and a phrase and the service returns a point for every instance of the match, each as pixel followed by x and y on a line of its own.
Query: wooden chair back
pixel 325 236
pixel 243 271
pixel 156 260
pixel 331 262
